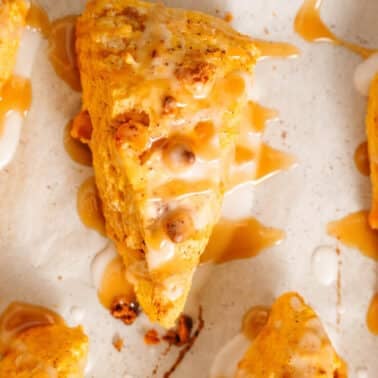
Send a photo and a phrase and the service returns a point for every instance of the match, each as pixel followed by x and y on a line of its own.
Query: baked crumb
pixel 186 326
pixel 151 337
pixel 192 72
pixel 181 335
pixel 124 309
pixel 118 343
pixel 169 105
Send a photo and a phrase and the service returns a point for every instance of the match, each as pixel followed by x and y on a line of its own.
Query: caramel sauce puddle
pixel 89 206
pixel 78 152
pixel 114 283
pixel 19 317
pixel 354 231
pixel 60 34
pixel 372 315
pixel 242 239
pixel 310 26
pixel 361 159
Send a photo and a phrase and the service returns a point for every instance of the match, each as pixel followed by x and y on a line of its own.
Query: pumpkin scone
pixel 164 90
pixel 293 344
pixel 36 343
pixel 12 21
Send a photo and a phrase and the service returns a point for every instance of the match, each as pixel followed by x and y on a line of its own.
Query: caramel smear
pixel 37 19
pixel 61 37
pixel 235 240
pixel 16 95
pixel 89 206
pixel 354 231
pixel 276 49
pixel 372 316
pixel 258 116
pixel 62 51
pixel 309 25
pixel 361 159
pixel 114 284
pixel 254 321
pixel 273 161
pixel 78 152
pixel 18 317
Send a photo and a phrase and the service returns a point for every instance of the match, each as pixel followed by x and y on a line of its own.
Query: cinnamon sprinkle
pixel 117 343
pixel 151 337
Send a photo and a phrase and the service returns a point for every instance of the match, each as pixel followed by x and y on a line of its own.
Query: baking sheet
pixel 45 251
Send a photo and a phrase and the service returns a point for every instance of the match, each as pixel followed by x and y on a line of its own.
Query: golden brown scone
pixel 12 21
pixel 41 345
pixel 164 92
pixel 292 344
pixel 372 133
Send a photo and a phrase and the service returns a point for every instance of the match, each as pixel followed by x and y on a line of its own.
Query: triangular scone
pixel 12 20
pixel 372 133
pixel 292 344
pixel 165 91
pixel 36 343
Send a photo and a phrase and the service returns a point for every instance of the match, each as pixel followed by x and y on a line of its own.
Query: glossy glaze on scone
pixel 36 343
pixel 165 92
pixel 293 344
pixel 12 21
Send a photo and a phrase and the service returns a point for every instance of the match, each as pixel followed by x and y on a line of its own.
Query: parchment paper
pixel 45 251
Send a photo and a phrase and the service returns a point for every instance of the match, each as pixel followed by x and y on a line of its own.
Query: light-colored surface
pixel 41 237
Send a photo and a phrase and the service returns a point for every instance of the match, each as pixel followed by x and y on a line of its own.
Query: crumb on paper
pixel 266 30
pixel 151 337
pixel 181 334
pixel 124 309
pixel 228 17
pixel 284 134
pixel 186 327
pixel 118 343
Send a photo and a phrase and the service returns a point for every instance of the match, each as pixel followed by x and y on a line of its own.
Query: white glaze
pixel 100 262
pixel 10 138
pixel 157 257
pixel 365 73
pixel 227 359
pixel 325 265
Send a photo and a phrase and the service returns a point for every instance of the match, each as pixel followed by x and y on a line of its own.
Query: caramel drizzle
pixel 89 206
pixel 361 159
pixel 276 49
pixel 61 38
pixel 114 284
pixel 354 231
pixel 372 315
pixel 310 26
pixel 37 19
pixel 254 321
pixel 78 152
pixel 259 115
pixel 235 240
pixel 62 53
pixel 16 95
pixel 273 161
pixel 19 317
